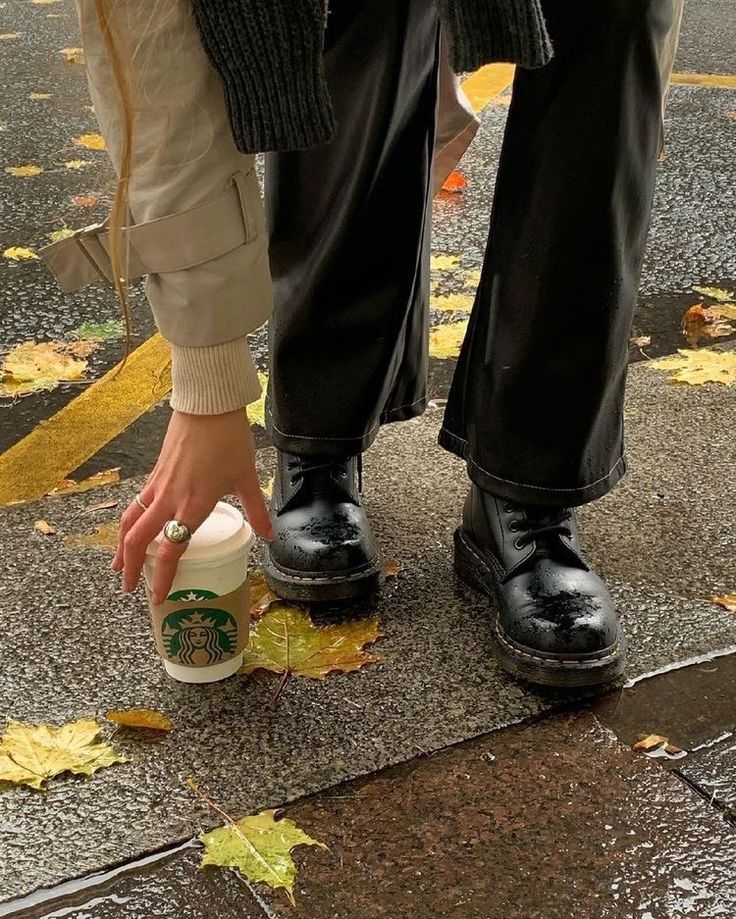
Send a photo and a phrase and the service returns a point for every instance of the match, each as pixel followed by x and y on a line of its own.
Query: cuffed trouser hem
pixel 304 445
pixel 523 493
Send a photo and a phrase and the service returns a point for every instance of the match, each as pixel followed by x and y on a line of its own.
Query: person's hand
pixel 203 458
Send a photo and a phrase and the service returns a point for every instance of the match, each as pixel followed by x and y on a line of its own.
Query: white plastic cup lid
pixel 223 533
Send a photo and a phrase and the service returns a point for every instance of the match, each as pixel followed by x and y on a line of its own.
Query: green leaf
pixel 101 331
pixel 259 847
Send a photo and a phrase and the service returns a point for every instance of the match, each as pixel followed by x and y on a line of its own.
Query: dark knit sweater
pixel 269 56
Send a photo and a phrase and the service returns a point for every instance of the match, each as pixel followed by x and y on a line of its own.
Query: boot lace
pixel 540 526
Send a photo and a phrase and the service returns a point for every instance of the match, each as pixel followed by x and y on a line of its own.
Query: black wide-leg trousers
pixel 536 404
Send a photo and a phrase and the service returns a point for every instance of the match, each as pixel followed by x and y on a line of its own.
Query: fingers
pixel 130 517
pixel 169 553
pixel 254 504
pixel 136 540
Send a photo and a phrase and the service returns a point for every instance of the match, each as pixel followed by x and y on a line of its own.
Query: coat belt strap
pixel 171 243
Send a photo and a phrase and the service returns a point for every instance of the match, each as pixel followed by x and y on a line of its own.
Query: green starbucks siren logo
pixel 199 637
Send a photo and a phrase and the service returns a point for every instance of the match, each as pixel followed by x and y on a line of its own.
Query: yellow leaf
pixel 725 310
pixel 9 36
pixel 256 411
pixel 104 537
pixel 44 528
pixel 73 55
pixel 452 303
pixel 444 261
pixel 286 641
pixel 57 235
pixel 24 172
pixel 31 754
pixel 259 848
pixel 90 141
pixel 19 253
pixel 716 293
pixel 44 2
pixel 445 340
pixel 140 718
pixel 267 489
pixel 261 595
pixel 69 486
pixel 76 164
pixel 727 602
pixel 37 97
pixel 34 366
pixel 650 741
pixel 699 367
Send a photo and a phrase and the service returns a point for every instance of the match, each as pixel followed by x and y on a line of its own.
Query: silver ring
pixel 139 502
pixel 176 531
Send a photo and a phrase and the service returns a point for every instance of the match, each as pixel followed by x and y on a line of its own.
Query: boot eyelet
pixel 508 507
pixel 514 526
pixel 518 544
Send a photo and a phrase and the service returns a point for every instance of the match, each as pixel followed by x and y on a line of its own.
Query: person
pixel 535 406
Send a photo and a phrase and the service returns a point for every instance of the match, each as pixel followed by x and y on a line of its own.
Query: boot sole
pixel 314 588
pixel 526 663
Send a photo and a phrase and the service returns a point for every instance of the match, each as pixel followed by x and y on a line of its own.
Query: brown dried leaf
pixel 261 595
pixel 44 528
pixel 103 506
pixel 701 322
pixel 455 182
pixel 73 55
pixel 392 568
pixel 85 200
pixel 727 602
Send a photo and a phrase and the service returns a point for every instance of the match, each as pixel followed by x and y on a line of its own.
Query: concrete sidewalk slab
pixel 543 822
pixel 73 646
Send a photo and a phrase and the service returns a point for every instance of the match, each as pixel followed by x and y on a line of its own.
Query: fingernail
pixel 157 598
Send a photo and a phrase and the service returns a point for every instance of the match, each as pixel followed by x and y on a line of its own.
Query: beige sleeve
pixel 183 155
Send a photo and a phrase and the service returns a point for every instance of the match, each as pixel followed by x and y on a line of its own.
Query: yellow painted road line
pixel 33 466
pixel 487 84
pixel 715 80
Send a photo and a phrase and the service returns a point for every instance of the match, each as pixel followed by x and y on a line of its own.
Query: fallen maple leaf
pixel 256 411
pixel 41 526
pixel 140 718
pixel 70 486
pixel 31 754
pixel 73 55
pixel 90 141
pixel 261 595
pixel 37 97
pixel 698 367
pixel 445 340
pixel 19 253
pixel 716 293
pixel 34 366
pixel 85 200
pixel 455 182
pixel 727 602
pixel 77 164
pixel 9 36
pixel 452 303
pixel 24 172
pixel 286 641
pixel 104 537
pixel 259 847
pixel 444 261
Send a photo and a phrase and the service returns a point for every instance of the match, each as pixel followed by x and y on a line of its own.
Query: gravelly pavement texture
pixel 664 541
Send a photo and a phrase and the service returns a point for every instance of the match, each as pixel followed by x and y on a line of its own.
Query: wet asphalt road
pixel 693 237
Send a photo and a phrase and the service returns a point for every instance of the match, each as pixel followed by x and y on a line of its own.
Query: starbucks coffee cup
pixel 201 629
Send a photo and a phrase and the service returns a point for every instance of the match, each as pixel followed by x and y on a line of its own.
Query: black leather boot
pixel 554 620
pixel 323 549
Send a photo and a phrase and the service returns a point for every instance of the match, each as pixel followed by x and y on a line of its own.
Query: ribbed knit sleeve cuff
pixel 214 379
pixel 496 30
pixel 269 57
